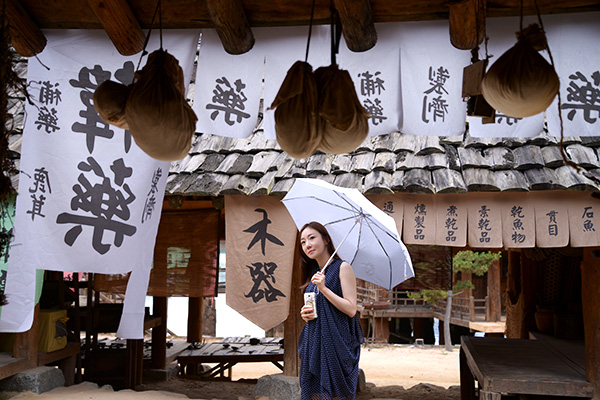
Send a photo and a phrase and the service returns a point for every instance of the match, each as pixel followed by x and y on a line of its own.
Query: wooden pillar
pixel 494 295
pixel 418 328
pixel 194 328
pixel 159 333
pixel 293 324
pixel 134 363
pixel 26 343
pixel 590 294
pixel 514 298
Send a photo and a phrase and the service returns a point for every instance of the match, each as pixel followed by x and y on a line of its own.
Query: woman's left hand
pixel 319 280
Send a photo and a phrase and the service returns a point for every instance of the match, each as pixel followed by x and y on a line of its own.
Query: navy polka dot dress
pixel 329 347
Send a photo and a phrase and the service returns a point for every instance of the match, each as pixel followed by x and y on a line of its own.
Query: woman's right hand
pixel 307 313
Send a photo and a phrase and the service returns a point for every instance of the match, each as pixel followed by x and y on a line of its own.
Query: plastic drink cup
pixel 310 300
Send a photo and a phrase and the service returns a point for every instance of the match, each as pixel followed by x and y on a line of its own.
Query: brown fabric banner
pixel 261 239
pixel 392 205
pixel 518 220
pixel 451 220
pixel 484 221
pixel 584 221
pixel 551 219
pixel 185 257
pixel 420 215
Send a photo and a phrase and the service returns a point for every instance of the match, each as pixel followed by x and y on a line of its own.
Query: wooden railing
pixel 467 309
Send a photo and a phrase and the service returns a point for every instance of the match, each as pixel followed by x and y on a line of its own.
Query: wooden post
pixel 494 294
pixel 590 295
pixel 26 343
pixel 159 333
pixel 194 327
pixel 471 308
pixel 134 363
pixel 418 328
pixel 293 324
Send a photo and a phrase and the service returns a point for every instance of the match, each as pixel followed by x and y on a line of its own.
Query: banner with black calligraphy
pixel 89 199
pixel 518 220
pixel 484 221
pixel 419 219
pixel 227 97
pixel 261 241
pixel 431 71
pixel 573 40
pixel 501 37
pixel 391 204
pixel 551 219
pixel 451 220
pixel 376 79
pixel 282 48
pixel 584 221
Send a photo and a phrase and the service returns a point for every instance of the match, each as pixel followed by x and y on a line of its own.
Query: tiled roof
pixel 390 163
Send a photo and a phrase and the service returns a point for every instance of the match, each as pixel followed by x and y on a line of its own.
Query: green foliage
pixel 474 262
pixel 430 296
pixel 462 285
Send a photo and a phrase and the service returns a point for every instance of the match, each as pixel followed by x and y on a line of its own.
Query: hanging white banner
pixel 501 33
pixel 431 80
pixel 89 199
pixel 282 48
pixel 573 41
pixel 376 81
pixel 228 88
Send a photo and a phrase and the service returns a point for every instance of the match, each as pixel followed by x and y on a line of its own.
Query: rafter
pixel 120 24
pixel 231 24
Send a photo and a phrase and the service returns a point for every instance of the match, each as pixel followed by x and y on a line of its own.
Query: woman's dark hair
pixel 310 266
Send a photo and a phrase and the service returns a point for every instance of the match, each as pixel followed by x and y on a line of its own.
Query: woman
pixel 329 344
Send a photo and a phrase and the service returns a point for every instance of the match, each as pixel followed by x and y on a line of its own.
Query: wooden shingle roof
pixel 390 163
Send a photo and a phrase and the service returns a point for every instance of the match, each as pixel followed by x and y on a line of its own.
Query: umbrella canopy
pixel 364 236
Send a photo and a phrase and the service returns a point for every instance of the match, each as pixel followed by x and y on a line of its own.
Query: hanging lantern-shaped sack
pixel 110 99
pixel 161 121
pixel 343 122
pixel 296 112
pixel 521 83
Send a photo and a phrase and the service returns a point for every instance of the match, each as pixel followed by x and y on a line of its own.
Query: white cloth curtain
pixel 227 97
pixel 89 199
pixel 573 41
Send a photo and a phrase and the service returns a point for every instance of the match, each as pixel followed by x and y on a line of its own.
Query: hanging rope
pixel 157 11
pixel 312 15
pixel 336 34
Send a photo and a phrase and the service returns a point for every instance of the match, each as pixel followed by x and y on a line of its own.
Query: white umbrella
pixel 364 236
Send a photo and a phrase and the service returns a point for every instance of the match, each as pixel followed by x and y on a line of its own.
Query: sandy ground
pixel 392 372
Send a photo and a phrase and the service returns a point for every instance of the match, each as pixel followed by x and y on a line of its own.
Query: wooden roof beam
pixel 27 39
pixel 232 25
pixel 358 24
pixel 120 24
pixel 467 23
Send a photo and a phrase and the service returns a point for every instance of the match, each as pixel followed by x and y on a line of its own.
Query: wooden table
pixel 518 366
pixel 226 355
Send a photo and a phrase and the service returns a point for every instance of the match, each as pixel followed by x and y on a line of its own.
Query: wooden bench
pixel 518 366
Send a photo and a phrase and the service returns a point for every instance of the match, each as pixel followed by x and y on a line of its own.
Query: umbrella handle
pixel 340 245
